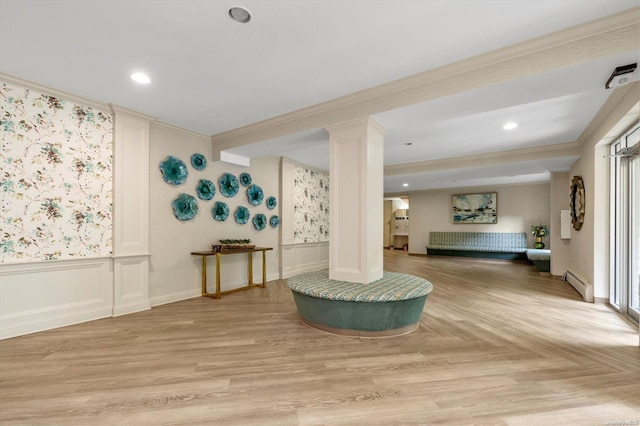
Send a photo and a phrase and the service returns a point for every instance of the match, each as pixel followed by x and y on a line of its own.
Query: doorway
pixel 396 220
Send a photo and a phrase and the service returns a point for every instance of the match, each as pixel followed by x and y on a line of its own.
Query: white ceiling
pixel 211 75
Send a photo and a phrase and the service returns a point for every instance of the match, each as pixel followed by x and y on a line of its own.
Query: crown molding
pixel 304 166
pixel 179 129
pixel 356 123
pixel 120 110
pixel 599 38
pixel 570 149
pixel 619 103
pixel 54 92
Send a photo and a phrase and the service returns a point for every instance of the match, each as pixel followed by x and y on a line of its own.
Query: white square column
pixel 356 194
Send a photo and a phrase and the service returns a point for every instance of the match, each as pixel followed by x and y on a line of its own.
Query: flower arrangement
pixel 539 231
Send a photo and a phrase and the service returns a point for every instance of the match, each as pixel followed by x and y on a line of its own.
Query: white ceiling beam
pixel 570 149
pixel 579 44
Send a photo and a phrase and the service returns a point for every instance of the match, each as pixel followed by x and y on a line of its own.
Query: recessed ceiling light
pixel 239 14
pixel 140 77
pixel 408 143
pixel 510 126
pixel 405 184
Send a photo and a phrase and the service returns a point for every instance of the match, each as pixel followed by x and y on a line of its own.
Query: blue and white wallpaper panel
pixel 311 206
pixel 56 182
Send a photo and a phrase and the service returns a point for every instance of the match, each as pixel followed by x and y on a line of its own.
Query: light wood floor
pixel 497 345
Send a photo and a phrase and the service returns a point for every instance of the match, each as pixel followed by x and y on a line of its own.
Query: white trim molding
pixel 131 285
pixel 304 257
pixel 45 295
pixel 131 211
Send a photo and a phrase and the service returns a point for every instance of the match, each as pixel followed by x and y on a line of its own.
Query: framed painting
pixel 475 208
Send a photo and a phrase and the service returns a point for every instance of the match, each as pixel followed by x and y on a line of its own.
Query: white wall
pixel 519 207
pixel 589 247
pixel 560 184
pixel 174 273
pixel 387 213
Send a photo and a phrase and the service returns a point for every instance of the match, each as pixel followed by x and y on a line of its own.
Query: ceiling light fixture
pixel 239 14
pixel 140 77
pixel 405 184
pixel 620 76
pixel 510 126
pixel 408 143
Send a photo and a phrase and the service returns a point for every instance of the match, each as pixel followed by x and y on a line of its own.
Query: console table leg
pixel 264 268
pixel 250 283
pixel 204 275
pixel 250 271
pixel 218 295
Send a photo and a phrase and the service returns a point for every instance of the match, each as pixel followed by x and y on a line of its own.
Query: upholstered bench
pixel 541 259
pixel 495 245
pixel 389 306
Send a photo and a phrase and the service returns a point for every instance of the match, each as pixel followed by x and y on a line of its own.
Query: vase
pixel 538 244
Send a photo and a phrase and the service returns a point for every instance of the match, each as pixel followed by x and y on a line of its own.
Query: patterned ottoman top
pixel 391 287
pixel 538 254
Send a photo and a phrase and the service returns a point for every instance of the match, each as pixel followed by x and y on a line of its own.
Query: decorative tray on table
pixel 232 245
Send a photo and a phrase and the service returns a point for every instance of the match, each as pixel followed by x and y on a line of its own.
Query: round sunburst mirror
pixel 576 202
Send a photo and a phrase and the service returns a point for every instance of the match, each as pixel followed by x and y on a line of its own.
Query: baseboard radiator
pixel 583 287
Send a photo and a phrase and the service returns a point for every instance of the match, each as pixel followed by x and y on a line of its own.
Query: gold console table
pixel 218 294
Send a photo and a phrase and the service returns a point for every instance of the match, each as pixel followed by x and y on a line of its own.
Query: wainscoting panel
pixel 131 289
pixel 131 212
pixel 306 257
pixel 45 295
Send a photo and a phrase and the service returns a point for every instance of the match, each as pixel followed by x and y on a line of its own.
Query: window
pixel 625 223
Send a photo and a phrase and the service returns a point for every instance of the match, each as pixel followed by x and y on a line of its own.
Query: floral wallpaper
pixel 311 206
pixel 56 178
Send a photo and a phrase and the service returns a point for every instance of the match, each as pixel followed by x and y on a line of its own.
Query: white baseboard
pixel 51 321
pixel 190 294
pixel 273 277
pixel 175 297
pixel 124 309
pixel 306 257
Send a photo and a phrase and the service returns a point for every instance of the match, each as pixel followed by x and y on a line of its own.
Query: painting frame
pixel 475 208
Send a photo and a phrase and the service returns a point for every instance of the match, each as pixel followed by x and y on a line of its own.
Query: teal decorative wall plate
pixel 174 171
pixel 245 179
pixel 198 161
pixel 274 221
pixel 228 185
pixel 242 215
pixel 220 211
pixel 185 207
pixel 271 203
pixel 259 221
pixel 205 189
pixel 255 195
